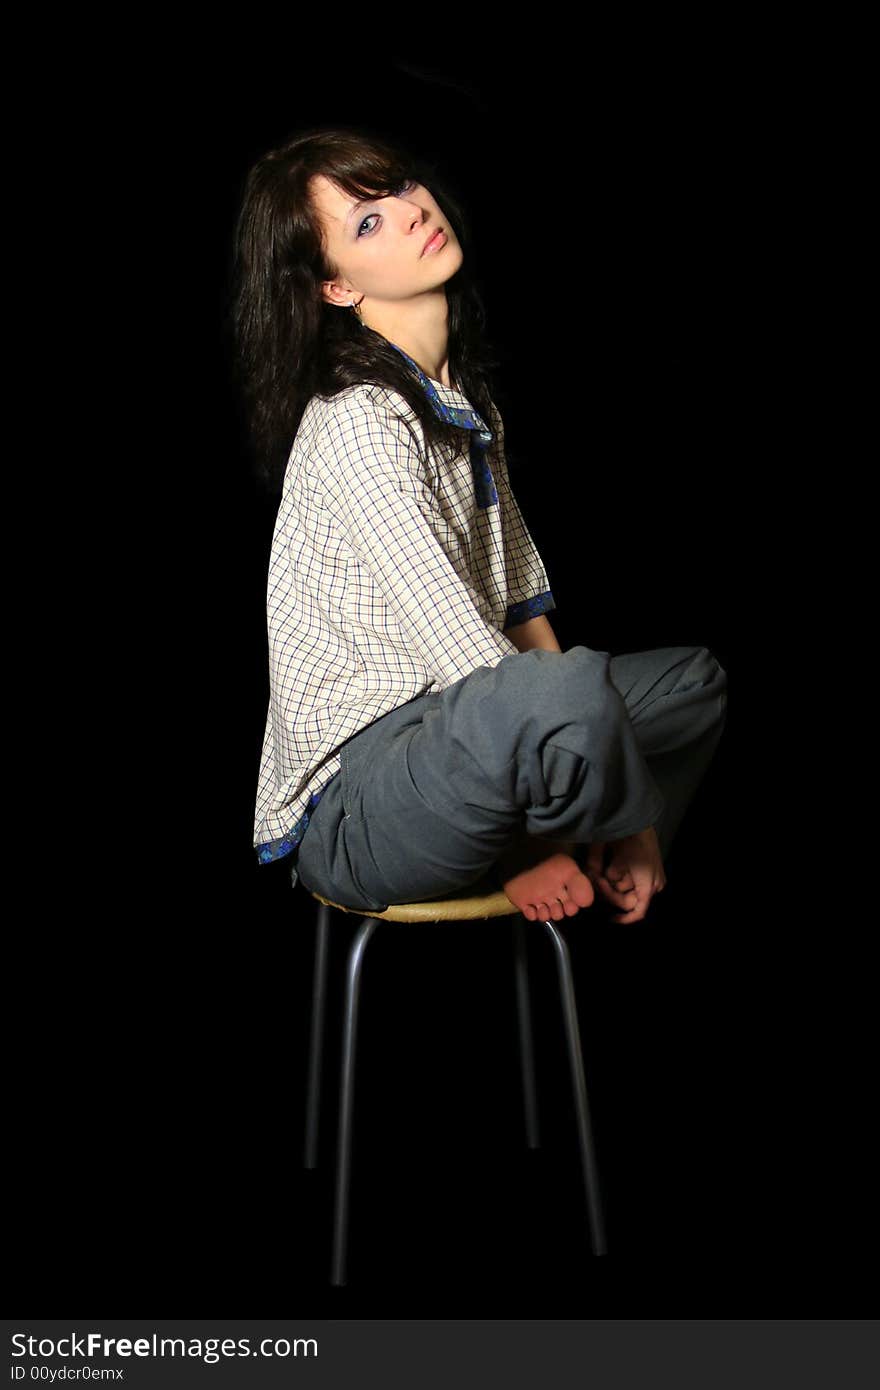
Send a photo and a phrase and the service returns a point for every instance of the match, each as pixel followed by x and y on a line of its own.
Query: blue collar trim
pixel 466 418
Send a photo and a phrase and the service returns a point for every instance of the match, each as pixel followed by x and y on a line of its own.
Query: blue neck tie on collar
pixel 466 417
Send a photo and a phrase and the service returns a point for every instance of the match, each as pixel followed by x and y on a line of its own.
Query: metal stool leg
pixel 524 1027
pixel 346 1098
pixel 585 1134
pixel 316 1037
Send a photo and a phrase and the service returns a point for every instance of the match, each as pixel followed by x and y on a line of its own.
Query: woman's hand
pixel 633 875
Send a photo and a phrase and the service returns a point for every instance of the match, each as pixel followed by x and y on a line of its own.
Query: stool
pixel 455 907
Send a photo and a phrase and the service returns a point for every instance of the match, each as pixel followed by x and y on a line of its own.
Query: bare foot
pixel 555 888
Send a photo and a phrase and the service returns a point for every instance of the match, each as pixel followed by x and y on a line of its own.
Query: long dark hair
pixel 286 343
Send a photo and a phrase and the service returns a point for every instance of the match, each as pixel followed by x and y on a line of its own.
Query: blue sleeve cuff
pixel 529 608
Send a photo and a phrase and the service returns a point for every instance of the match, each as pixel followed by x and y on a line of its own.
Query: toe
pixel 581 890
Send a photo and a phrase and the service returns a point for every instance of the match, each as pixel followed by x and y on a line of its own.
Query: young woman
pixel 424 728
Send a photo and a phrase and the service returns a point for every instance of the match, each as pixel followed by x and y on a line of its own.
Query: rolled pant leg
pixel 431 794
pixel 676 699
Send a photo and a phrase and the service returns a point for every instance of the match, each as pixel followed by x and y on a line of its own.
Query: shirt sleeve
pixel 528 588
pixel 377 490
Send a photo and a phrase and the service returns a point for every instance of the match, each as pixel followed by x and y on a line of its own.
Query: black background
pixel 625 193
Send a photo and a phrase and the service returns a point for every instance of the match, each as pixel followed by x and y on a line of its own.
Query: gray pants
pixel 576 746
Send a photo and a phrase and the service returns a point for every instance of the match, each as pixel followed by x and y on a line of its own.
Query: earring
pixel 357 309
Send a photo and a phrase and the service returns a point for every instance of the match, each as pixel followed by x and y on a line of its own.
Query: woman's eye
pixel 403 188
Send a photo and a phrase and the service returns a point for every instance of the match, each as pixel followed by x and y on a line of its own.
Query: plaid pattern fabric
pixel 391 575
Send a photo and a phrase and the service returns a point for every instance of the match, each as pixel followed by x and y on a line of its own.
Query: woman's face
pixel 378 245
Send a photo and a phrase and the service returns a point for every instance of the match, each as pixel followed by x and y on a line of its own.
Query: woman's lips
pixel 437 241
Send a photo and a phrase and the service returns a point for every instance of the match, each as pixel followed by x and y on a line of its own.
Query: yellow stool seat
pixel 454 907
